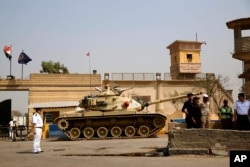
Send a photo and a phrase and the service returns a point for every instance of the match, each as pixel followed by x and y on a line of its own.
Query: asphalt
pixel 93 153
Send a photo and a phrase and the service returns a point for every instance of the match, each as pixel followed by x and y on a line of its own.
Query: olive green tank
pixel 110 115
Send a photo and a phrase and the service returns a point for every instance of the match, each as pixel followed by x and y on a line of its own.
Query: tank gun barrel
pixel 168 99
pixel 126 89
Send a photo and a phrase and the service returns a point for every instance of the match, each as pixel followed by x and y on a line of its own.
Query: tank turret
pixel 110 99
pixel 111 115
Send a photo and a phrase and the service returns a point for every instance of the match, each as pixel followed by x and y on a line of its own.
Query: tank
pixel 111 115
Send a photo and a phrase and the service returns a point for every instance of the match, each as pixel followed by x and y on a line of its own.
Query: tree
pixel 216 88
pixel 53 68
pixel 16 113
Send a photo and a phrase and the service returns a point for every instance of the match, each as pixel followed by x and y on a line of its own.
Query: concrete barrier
pixel 206 141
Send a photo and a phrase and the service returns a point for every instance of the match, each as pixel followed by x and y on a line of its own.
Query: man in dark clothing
pixel 196 113
pixel 187 109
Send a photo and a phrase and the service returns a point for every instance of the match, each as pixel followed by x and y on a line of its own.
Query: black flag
pixel 23 58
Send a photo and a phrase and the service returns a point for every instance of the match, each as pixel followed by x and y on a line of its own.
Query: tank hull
pixel 107 125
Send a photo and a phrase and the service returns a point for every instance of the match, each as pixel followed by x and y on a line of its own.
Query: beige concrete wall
pixel 159 90
pixel 61 87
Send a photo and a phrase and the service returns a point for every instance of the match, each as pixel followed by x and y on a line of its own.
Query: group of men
pixel 197 114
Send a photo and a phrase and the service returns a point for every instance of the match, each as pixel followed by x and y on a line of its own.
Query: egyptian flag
pixel 7 50
pixel 23 58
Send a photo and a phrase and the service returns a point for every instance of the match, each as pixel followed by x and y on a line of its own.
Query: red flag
pixel 7 50
pixel 87 54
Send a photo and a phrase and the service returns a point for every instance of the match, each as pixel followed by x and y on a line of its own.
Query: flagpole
pixel 22 71
pixel 10 61
pixel 10 67
pixel 90 76
pixel 22 67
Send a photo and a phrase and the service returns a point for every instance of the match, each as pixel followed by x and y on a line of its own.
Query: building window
pixel 189 57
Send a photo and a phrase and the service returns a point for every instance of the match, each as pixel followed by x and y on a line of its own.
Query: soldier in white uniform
pixel 37 123
pixel 11 125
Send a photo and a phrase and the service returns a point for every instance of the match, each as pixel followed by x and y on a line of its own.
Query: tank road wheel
pixel 143 131
pixel 158 122
pixel 74 133
pixel 129 131
pixel 63 124
pixel 116 131
pixel 102 132
pixel 88 132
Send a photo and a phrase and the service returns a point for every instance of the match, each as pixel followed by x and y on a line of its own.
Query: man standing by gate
pixel 11 125
pixel 37 123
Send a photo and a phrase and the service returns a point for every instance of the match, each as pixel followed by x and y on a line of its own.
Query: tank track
pixel 113 126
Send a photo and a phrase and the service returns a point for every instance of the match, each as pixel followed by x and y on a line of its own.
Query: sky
pixel 120 35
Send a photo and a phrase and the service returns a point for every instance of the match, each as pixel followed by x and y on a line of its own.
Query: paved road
pixel 100 153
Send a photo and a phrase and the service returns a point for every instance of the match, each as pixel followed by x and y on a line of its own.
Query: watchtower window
pixel 189 57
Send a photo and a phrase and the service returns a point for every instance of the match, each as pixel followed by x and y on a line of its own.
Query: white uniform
pixel 11 125
pixel 37 120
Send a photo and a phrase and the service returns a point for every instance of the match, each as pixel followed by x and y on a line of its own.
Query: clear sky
pixel 121 36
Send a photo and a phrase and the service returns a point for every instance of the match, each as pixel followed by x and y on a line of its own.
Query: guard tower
pixel 242 49
pixel 185 59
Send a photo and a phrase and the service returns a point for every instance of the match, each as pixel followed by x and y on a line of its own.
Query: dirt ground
pixel 102 153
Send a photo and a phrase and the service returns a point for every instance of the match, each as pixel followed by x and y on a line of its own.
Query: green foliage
pixel 16 113
pixel 216 88
pixel 53 68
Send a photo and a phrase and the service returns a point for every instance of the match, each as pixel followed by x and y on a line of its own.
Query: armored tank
pixel 111 115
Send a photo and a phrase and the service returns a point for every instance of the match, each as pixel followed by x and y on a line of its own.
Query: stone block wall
pixel 207 139
pixel 242 44
pixel 214 124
